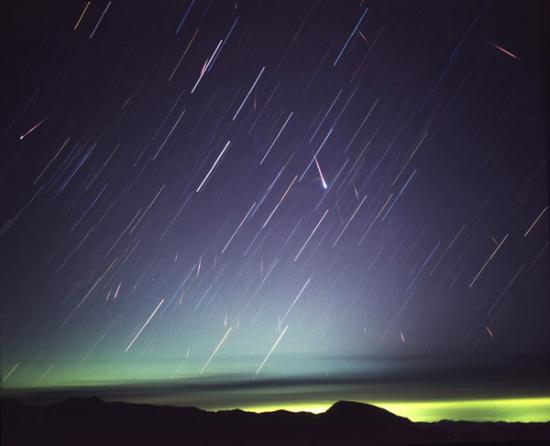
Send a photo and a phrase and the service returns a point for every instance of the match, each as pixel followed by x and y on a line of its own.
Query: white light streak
pixel 272 349
pixel 535 222
pixel 350 36
pixel 205 67
pixel 239 227
pixel 279 203
pixel 100 19
pixel 143 326
pixel 276 137
pixel 213 166
pixel 295 300
pixel 349 221
pixel 487 261
pixel 310 235
pixel 248 94
pixel 10 372
pixel 216 350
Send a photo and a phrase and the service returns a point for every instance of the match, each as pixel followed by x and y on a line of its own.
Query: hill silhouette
pixel 91 421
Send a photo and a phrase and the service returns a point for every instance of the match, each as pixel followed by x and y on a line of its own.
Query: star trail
pixel 211 190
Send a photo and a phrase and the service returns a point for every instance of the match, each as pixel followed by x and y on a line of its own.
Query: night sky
pixel 203 192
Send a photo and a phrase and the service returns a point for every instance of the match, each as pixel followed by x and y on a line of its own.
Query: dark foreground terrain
pixel 94 422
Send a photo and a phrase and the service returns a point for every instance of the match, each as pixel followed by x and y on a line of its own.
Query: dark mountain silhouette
pixel 91 421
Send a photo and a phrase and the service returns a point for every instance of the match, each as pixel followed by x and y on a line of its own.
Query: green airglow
pixel 104 375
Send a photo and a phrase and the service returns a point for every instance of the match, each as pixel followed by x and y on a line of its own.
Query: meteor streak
pixel 321 174
pixel 32 129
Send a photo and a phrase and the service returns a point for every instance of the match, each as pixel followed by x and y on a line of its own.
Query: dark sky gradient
pixel 264 190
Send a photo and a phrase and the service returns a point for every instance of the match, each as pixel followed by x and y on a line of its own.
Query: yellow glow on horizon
pixel 501 409
pixel 317 407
